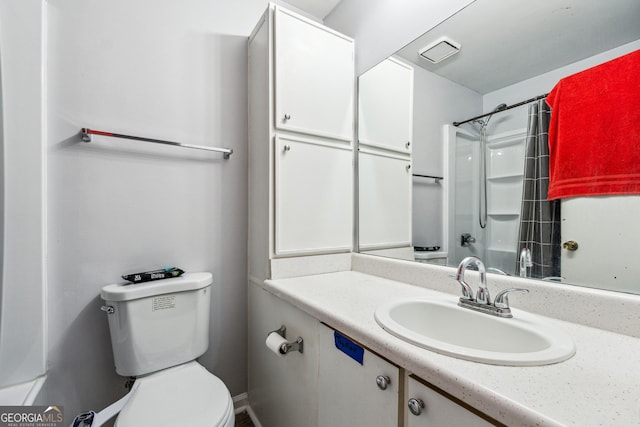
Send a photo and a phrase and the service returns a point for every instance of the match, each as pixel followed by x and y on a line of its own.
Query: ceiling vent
pixel 439 50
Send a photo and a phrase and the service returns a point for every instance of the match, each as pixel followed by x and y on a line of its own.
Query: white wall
pixel 437 101
pixel 381 27
pixel 22 341
pixel 162 69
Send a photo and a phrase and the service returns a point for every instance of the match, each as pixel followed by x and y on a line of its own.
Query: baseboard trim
pixel 241 404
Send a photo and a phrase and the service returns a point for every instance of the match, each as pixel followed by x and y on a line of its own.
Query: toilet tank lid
pixel 130 291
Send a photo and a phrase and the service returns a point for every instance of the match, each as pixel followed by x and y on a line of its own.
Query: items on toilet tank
pixel 147 276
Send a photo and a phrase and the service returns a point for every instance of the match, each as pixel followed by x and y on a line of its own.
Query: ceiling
pixel 506 41
pixel 317 8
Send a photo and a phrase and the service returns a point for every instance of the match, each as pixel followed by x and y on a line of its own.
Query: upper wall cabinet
pixel 385 120
pixel 385 106
pixel 314 76
pixel 301 94
pixel 385 201
pixel 314 197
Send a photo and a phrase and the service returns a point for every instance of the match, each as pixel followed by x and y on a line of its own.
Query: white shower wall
pixel 505 167
pixel 496 244
pixel 22 311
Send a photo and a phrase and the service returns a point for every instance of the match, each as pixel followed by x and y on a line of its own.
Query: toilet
pixel 158 329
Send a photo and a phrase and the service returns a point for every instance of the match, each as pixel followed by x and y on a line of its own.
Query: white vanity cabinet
pixel 282 389
pixel 427 406
pixel 336 380
pixel 301 101
pixel 384 199
pixel 355 386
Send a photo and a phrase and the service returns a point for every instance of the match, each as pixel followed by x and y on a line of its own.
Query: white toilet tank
pixel 159 324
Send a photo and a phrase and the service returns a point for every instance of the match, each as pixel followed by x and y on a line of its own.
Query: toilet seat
pixel 184 395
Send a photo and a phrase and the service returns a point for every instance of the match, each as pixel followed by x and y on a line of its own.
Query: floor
pixel 243 420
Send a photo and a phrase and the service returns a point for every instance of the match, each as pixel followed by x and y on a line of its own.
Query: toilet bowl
pixel 157 330
pixel 185 395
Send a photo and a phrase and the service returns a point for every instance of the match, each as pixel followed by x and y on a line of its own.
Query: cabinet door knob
pixel 571 245
pixel 408 144
pixel 287 117
pixel 286 148
pixel 416 406
pixel 408 167
pixel 383 381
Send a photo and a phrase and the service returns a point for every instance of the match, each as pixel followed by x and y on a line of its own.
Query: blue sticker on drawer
pixel 348 347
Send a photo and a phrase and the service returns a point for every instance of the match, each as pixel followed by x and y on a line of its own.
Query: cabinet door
pixel 313 197
pixel 348 394
pixel 282 389
pixel 314 78
pixel 440 410
pixel 384 200
pixel 385 106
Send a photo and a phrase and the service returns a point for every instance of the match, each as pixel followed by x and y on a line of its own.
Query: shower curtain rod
pixel 504 109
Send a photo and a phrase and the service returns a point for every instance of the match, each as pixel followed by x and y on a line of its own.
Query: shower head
pixel 500 107
pixel 483 123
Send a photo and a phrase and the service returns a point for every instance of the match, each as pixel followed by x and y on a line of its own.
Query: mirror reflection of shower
pixel 482 199
pixel 486 176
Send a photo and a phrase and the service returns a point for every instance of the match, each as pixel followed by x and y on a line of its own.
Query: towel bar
pixel 437 179
pixel 86 137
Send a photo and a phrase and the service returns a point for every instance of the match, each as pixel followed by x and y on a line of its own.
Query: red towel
pixel 594 134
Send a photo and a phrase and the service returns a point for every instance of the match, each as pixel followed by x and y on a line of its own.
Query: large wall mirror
pixel 445 124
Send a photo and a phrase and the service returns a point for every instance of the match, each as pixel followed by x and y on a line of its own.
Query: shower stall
pixel 485 174
pixel 23 227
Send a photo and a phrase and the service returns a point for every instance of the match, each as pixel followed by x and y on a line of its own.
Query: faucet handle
pixel 467 292
pixel 502 299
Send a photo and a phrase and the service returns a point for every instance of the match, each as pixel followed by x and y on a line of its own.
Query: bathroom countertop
pixel 598 386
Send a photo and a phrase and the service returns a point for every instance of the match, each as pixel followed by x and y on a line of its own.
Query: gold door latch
pixel 570 245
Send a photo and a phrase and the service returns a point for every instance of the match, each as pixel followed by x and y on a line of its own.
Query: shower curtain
pixel 539 217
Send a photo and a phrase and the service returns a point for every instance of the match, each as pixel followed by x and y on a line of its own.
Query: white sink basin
pixel 440 325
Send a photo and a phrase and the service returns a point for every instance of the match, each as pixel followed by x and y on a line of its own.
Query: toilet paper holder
pixel 286 347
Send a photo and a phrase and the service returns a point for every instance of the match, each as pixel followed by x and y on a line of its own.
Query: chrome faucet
pixel 525 261
pixel 467 293
pixel 482 301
